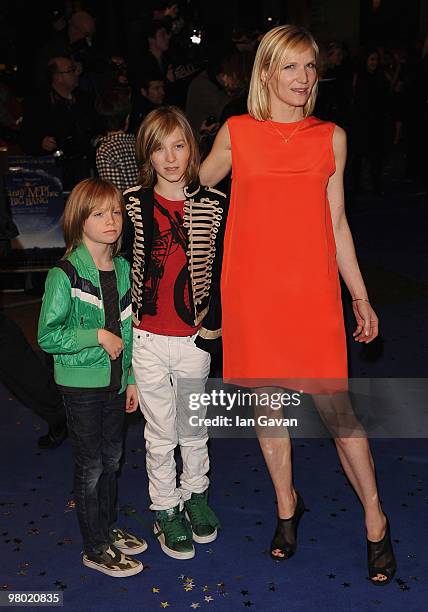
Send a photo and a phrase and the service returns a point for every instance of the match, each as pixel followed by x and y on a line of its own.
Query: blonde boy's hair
pixel 88 195
pixel 269 60
pixel 156 127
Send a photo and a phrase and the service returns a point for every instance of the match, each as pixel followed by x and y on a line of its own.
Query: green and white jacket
pixel 71 315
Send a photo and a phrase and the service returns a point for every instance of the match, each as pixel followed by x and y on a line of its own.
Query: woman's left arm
pixel 367 321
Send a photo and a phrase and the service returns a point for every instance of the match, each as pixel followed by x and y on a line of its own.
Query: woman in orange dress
pixel 286 241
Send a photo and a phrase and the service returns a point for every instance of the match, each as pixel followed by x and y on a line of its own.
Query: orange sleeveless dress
pixel 281 301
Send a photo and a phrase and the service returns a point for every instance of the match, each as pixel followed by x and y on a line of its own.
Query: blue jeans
pixel 95 422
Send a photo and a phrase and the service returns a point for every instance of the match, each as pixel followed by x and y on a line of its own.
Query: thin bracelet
pixel 361 300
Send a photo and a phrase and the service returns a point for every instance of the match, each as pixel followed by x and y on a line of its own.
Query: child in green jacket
pixel 85 322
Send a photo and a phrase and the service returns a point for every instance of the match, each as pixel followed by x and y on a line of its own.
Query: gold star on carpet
pixel 164 604
pixel 155 590
pixel 188 587
pixel 205 588
pixel 208 598
pixel 195 605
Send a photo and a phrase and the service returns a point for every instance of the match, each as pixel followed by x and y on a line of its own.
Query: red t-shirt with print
pixel 167 304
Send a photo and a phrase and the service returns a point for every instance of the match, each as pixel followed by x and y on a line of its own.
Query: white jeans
pixel 166 369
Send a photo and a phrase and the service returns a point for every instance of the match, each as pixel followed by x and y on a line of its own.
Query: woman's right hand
pixel 110 343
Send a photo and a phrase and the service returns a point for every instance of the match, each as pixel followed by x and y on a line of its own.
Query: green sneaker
pixel 174 533
pixel 202 519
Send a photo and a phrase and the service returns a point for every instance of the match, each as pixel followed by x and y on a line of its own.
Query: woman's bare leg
pixel 355 457
pixel 277 455
pixel 354 454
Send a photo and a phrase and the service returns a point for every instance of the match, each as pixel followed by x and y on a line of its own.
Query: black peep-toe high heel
pixel 285 538
pixel 381 559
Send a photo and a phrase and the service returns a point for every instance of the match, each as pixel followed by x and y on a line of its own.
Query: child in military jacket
pixel 173 239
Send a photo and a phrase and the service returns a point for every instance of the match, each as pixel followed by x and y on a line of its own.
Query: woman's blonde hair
pixel 88 195
pixel 156 127
pixel 269 60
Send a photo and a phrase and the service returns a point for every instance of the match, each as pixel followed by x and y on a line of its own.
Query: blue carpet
pixel 38 527
pixel 41 543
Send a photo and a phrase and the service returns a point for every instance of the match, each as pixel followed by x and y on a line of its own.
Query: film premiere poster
pixel 37 203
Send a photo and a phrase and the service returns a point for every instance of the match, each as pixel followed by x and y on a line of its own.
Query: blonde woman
pixel 286 241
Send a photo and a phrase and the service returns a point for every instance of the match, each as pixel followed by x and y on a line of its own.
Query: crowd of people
pixel 375 93
pixel 140 125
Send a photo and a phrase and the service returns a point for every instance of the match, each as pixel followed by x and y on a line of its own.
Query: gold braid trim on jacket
pixel 201 219
pixel 137 271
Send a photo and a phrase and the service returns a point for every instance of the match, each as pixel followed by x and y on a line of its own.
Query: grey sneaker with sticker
pixel 126 542
pixel 113 563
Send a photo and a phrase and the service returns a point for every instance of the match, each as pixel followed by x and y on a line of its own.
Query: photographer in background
pixel 77 40
pixel 152 57
pixel 148 94
pixel 218 93
pixel 60 122
pixel 224 80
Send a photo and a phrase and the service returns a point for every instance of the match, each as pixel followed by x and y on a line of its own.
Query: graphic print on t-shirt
pixel 167 308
